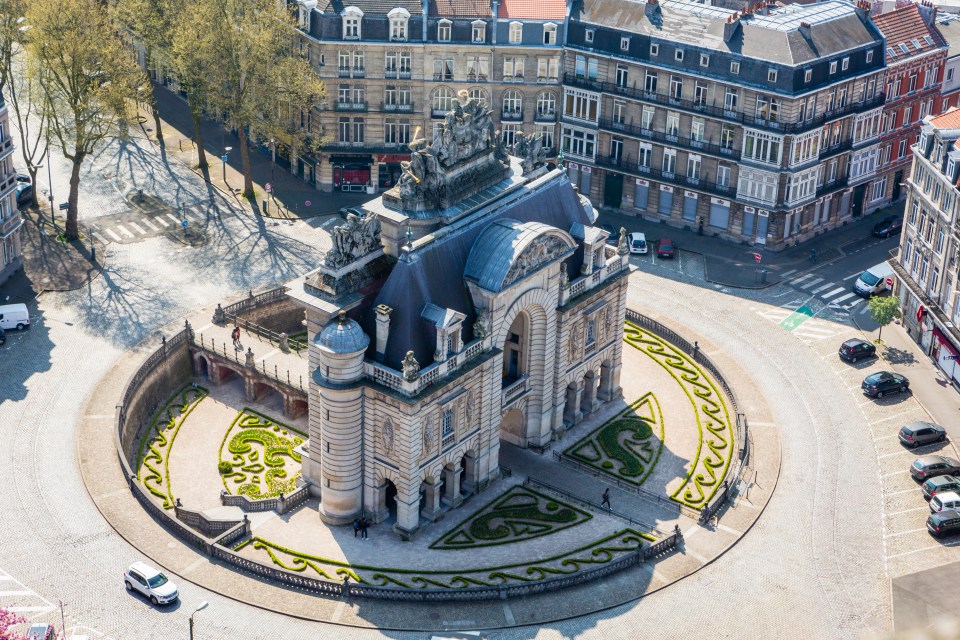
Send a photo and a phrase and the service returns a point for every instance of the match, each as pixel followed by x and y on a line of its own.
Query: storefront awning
pixel 351 159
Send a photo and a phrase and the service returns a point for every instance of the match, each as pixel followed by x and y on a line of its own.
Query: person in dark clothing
pixel 364 525
pixel 606 498
pixel 356 527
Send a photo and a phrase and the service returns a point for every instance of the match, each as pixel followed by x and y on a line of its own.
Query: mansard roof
pixel 502 243
pixel 907 34
pixel 372 7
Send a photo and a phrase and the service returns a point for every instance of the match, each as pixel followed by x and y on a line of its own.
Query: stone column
pixel 408 512
pixel 575 399
pixel 380 510
pixel 451 480
pixel 432 510
pixel 609 376
pixel 589 402
pixel 375 175
pixel 250 388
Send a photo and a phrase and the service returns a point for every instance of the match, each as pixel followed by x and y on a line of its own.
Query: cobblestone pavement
pixel 813 565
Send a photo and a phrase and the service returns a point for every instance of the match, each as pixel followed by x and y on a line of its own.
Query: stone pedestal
pixel 451 481
pixel 432 509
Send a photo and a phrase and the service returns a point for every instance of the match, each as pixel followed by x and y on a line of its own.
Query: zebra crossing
pixel 16 597
pixel 798 319
pixel 124 229
pixel 838 296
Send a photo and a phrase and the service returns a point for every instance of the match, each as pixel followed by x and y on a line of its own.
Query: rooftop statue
pixel 530 151
pixel 354 239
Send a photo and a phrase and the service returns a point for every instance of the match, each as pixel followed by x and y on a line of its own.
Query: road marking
pixel 813 282
pixel 100 237
pixel 124 230
pixel 902 533
pixel 175 221
pixel 852 276
pixel 830 294
pixel 137 227
pixel 896 453
pixel 114 236
pixel 894 473
pixel 788 273
pixel 801 279
pixel 897 493
pixel 881 437
pixel 821 288
pixel 842 298
pixel 797 318
pixel 896 513
pixel 147 222
pixel 25 592
pixel 162 221
pixel 936 546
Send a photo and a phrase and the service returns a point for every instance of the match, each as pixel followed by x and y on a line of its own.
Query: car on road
pixel 41 632
pixel 150 582
pixel 889 226
pixel 920 432
pixel 24 193
pixel 939 484
pixel 614 236
pixel 856 349
pixel 23 177
pixel 637 243
pixel 665 248
pixel 346 211
pixel 874 281
pixel 944 523
pixel 926 467
pixel 879 384
pixel 945 500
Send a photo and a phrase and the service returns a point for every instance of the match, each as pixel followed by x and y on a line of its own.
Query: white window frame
pixel 399 24
pixel 444 30
pixel 515 33
pixel 550 34
pixel 352 20
pixel 624 43
pixel 478 31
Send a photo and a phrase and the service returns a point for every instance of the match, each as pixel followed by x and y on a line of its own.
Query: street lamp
pixel 223 158
pixel 53 219
pixel 201 606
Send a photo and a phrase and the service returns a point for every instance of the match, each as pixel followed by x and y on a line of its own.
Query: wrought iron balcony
pixel 511 116
pixel 350 106
pixel 629 165
pixel 697 146
pixel 545 116
pixel 397 108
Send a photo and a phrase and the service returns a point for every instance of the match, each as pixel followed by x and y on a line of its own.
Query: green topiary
pixel 224 467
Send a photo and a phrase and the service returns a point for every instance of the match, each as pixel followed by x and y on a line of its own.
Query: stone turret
pixel 336 424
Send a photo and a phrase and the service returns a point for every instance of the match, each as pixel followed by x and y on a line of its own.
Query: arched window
pixel 546 104
pixel 442 99
pixel 549 33
pixel 512 102
pixel 444 28
pixel 480 96
pixel 478 31
pixel 352 18
pixel 516 32
pixel 399 19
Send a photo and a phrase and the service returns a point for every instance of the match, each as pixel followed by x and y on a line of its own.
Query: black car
pixel 918 433
pixel 943 523
pixel 24 193
pixel 614 236
pixel 882 383
pixel 856 349
pixel 346 211
pixel 887 227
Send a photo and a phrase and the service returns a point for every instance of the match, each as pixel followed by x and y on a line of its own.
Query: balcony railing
pixel 397 108
pixel 833 185
pixel 477 77
pixel 592 84
pixel 699 146
pixel 545 116
pixel 350 106
pixel 511 116
pixel 402 74
pixel 350 72
pixel 629 165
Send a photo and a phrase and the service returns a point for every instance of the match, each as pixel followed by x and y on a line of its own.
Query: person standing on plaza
pixel 356 527
pixel 364 525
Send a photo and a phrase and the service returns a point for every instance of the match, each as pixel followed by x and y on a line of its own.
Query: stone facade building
pixel 393 68
pixel 927 279
pixel 761 126
pixel 11 258
pixel 472 304
pixel 916 54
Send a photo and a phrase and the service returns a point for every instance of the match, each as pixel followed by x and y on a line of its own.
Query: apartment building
pixel 393 67
pixel 760 126
pixel 949 27
pixel 915 53
pixel 11 256
pixel 926 267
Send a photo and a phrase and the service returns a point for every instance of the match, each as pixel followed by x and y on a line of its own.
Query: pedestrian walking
pixel 364 525
pixel 236 338
pixel 356 527
pixel 813 255
pixel 606 498
pixel 696 348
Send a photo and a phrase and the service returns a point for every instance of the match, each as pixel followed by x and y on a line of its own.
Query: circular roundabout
pixel 608 511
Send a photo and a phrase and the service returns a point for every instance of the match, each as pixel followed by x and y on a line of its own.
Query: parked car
pixel 665 248
pixel 856 349
pixel 879 384
pixel 346 211
pixel 24 193
pixel 889 226
pixel 614 236
pixel 637 243
pixel 144 579
pixel 944 523
pixel 41 632
pixel 920 432
pixel 939 484
pixel 926 467
pixel 874 280
pixel 14 316
pixel 945 500
pixel 23 177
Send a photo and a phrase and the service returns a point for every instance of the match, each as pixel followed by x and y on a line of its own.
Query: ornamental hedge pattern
pixel 716 437
pixel 257 457
pixel 595 554
pixel 517 515
pixel 154 455
pixel 628 445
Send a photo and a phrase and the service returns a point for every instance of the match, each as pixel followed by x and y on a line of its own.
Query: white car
pixel 637 242
pixel 944 501
pixel 150 582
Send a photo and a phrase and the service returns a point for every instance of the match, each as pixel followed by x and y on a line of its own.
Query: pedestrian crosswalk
pixel 15 597
pixel 798 319
pixel 127 228
pixel 836 295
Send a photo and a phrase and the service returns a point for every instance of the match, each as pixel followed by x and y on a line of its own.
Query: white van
pixel 14 316
pixel 874 280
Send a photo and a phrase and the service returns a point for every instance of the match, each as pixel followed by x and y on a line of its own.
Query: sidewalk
pixel 292 197
pixel 732 264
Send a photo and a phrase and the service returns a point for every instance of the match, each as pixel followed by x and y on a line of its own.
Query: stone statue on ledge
pixel 530 151
pixel 411 368
pixel 354 239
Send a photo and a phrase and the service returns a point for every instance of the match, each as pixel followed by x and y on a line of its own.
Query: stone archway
pixel 201 365
pixel 515 350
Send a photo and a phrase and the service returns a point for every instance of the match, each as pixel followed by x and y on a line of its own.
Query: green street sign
pixel 797 318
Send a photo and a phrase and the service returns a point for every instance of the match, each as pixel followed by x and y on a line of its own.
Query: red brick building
pixel 916 54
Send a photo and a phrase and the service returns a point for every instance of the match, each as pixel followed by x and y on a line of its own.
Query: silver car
pixel 918 433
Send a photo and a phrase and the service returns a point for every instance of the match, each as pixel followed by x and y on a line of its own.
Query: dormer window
pixel 588 36
pixel 845 64
pixel 399 19
pixel 352 17
pixel 549 33
pixel 678 55
pixel 869 56
pixel 304 9
pixel 479 31
pixel 516 32
pixel 444 28
pixel 833 67
pixel 951 169
pixel 923 142
pixel 624 44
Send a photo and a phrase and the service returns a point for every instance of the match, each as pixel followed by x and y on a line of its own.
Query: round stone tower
pixel 336 416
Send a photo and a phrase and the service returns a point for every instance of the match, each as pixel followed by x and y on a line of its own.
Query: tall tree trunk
pixel 152 100
pixel 72 230
pixel 197 132
pixel 32 171
pixel 245 158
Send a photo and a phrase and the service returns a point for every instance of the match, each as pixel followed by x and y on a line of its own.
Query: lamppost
pixel 202 605
pixel 273 158
pixel 53 219
pixel 226 153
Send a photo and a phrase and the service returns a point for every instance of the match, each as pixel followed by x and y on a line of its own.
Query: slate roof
pixel 835 27
pixel 533 9
pixel 500 244
pixel 373 7
pixel 343 336
pixel 904 30
pixel 949 28
pixel 433 273
pixel 461 9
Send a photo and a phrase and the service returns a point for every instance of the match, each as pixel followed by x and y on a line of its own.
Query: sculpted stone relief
pixel 429 434
pixel 411 368
pixel 354 239
pixel 574 343
pixel 481 328
pixel 530 151
pixel 387 436
pixel 541 251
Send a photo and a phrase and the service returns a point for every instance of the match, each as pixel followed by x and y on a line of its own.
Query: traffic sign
pixel 307 203
pixel 224 157
pixel 889 282
pixel 756 257
pixel 184 224
pixel 268 187
pixel 951 357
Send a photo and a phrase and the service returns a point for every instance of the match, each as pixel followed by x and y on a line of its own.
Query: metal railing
pixel 629 165
pixel 657 499
pixel 531 481
pixel 231 355
pixel 697 146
